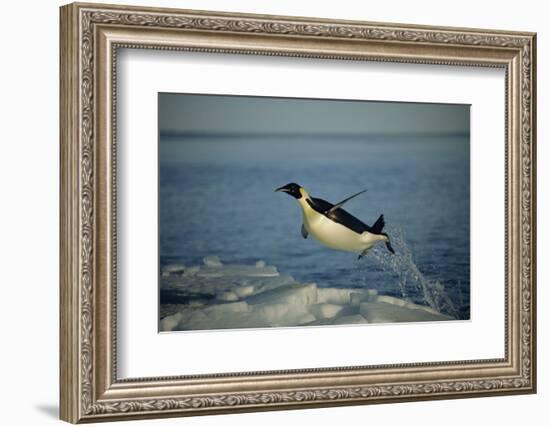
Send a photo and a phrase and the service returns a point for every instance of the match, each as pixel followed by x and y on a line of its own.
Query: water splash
pixel 413 285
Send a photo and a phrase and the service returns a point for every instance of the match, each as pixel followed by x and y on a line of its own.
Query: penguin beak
pixel 283 188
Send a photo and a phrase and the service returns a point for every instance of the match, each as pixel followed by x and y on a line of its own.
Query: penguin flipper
pixel 362 254
pixel 340 204
pixel 304 232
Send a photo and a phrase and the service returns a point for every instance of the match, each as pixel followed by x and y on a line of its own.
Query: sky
pixel 222 114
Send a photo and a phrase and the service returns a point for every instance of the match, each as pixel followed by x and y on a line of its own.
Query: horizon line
pixel 209 134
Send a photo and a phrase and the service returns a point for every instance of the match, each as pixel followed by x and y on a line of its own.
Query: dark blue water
pixel 217 198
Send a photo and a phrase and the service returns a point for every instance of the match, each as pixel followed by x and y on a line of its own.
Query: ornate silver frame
pixel 90 36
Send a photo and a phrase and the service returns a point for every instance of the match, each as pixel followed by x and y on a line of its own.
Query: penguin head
pixel 292 189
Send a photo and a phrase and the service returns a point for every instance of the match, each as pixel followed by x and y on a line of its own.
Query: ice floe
pixel 219 296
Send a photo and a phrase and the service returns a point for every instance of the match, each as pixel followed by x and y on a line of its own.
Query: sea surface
pixel 217 198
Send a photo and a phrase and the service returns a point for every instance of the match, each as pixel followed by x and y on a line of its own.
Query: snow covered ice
pixel 219 296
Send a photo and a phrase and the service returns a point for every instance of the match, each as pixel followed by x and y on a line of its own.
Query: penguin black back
pixel 340 215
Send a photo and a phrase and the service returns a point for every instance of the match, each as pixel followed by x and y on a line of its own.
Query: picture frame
pixel 91 36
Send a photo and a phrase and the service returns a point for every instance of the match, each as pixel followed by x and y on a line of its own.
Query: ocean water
pixel 217 198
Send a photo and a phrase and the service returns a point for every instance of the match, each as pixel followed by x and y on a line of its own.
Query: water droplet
pixel 403 266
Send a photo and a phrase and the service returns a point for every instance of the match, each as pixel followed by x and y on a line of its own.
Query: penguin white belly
pixel 337 236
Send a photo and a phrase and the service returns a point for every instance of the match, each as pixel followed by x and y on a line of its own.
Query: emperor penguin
pixel 333 226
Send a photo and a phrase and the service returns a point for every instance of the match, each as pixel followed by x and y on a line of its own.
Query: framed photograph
pixel 266 212
pixel 218 156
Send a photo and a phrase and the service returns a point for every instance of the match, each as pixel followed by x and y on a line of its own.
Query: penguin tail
pixel 378 225
pixel 388 243
pixel 377 228
pixel 389 246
